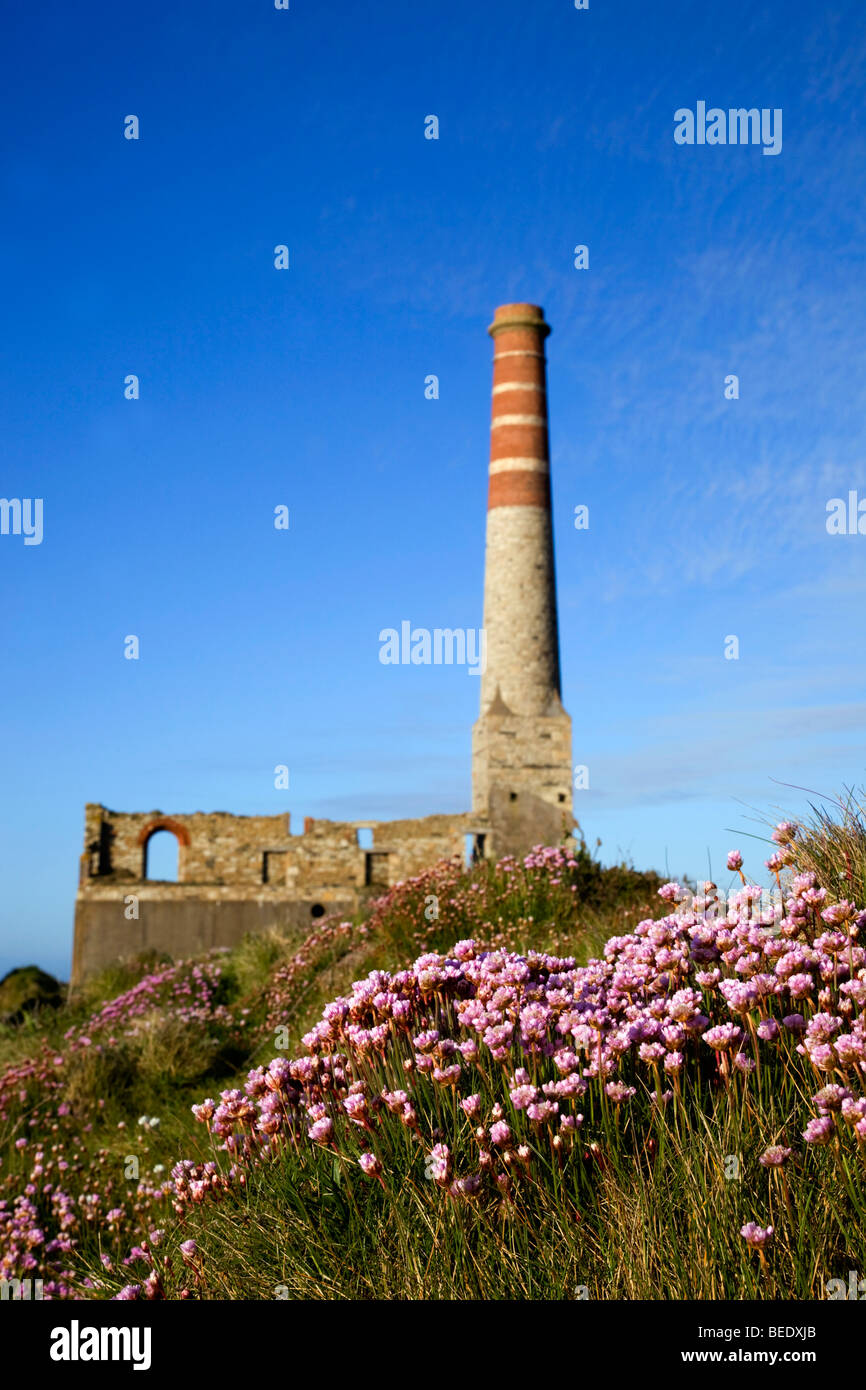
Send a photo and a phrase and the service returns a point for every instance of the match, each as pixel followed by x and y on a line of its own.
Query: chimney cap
pixel 518 316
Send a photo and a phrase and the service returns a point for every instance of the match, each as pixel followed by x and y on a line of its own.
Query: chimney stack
pixel 522 740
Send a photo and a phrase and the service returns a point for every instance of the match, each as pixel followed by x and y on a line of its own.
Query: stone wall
pixel 238 874
pixel 515 756
pixel 180 920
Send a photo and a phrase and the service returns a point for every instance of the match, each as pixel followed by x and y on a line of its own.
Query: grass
pixel 646 1201
pixel 833 845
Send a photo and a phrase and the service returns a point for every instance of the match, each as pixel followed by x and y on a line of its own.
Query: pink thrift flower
pixel 617 1091
pixel 819 1131
pixel 774 1157
pixel 784 832
pixel 439 1163
pixel 370 1165
pixel 723 1037
pixel 521 1096
pixel 756 1236
pixel 322 1131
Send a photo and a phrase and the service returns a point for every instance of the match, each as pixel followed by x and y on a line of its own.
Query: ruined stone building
pixel 247 873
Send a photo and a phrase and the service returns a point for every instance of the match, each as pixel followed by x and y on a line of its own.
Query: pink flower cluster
pixel 184 990
pixel 58 1188
pixel 694 997
pixel 544 881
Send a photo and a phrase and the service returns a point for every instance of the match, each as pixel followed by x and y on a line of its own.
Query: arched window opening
pixel 161 857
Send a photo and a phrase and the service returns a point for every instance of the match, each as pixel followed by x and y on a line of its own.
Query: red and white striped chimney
pixel 519 583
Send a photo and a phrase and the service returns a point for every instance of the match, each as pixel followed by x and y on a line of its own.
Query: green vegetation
pixel 527 1114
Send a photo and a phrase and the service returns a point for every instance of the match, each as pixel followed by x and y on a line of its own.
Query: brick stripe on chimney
pixel 519 450
pixel 518 488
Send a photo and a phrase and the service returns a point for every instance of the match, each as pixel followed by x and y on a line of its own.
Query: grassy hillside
pixel 536 1079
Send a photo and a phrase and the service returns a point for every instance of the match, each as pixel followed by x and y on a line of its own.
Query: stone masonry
pixel 238 874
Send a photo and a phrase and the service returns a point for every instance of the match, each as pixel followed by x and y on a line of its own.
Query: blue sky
pixel 306 388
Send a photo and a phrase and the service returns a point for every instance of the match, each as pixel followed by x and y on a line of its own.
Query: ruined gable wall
pixel 214 847
pixel 237 874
